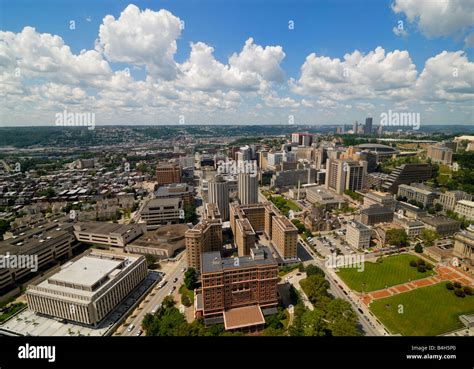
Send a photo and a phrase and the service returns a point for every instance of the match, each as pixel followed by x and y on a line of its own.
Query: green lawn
pixel 392 271
pixel 427 311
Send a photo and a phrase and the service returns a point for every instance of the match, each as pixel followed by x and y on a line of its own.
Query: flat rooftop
pixel 86 271
pixel 376 209
pixel 246 316
pixel 439 220
pixel 213 262
pixel 103 227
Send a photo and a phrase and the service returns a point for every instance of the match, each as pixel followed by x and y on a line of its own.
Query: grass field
pixel 392 271
pixel 427 311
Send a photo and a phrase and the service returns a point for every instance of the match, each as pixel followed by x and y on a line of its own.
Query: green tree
pixel 314 270
pixel 429 236
pixel 190 279
pixel 313 323
pixel 190 215
pixel 418 248
pixel 342 319
pixel 397 237
pixel 315 287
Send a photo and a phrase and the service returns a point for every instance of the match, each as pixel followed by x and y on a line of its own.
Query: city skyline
pixel 169 63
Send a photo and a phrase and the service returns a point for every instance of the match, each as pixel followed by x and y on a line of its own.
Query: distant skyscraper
pixel 219 195
pixel 355 127
pixel 247 188
pixel 368 126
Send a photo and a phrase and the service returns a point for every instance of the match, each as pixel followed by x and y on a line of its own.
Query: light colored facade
pixel 247 188
pixel 179 190
pixel 110 234
pixel 465 208
pixel 344 175
pixel 440 154
pixel 218 193
pixel 379 198
pixel 88 289
pixel 287 178
pixel 321 196
pixel 449 199
pixel 358 235
pixel 464 247
pixel 284 237
pixel 417 194
pixel 162 211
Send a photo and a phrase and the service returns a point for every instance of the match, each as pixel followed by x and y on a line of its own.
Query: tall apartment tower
pixel 247 188
pixel 368 126
pixel 344 175
pixel 219 194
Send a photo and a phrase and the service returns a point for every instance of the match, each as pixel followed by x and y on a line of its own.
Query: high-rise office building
pixel 355 127
pixel 368 126
pixel 247 188
pixel 219 194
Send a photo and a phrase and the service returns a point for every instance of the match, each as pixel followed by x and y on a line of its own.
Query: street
pixel 368 324
pixel 154 299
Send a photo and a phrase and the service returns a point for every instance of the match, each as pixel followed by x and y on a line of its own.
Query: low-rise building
pixel 163 242
pixel 176 190
pixel 449 199
pixel 464 248
pixel 441 225
pixel 88 289
pixel 379 198
pixel 320 196
pixel 358 235
pixel 47 244
pixel 109 234
pixel 160 211
pixel 376 214
pixel 465 209
pixel 418 194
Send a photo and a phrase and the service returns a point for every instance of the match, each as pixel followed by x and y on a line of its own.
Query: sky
pixel 236 62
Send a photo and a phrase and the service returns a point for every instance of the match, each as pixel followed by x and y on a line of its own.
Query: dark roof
pixel 213 262
pixel 376 209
